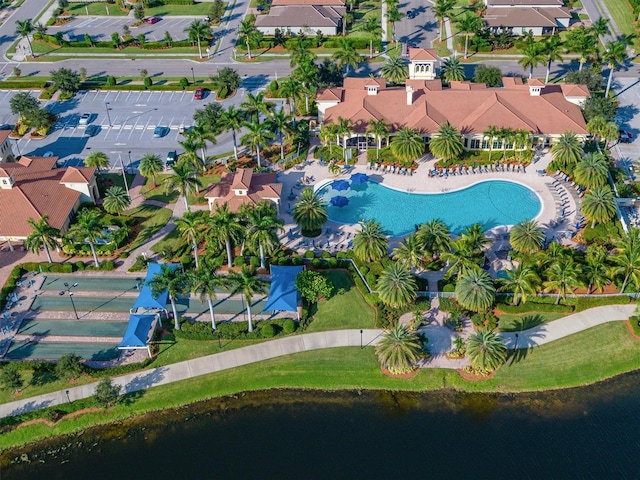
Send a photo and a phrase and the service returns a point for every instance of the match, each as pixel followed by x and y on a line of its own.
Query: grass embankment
pixel 149 219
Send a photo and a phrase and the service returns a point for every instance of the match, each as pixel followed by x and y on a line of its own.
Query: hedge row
pixel 20 84
pixel 190 330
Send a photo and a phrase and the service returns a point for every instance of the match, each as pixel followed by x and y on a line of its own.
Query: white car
pixel 85 118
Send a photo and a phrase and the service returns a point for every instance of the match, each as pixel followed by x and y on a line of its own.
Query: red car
pixel 152 20
pixel 198 94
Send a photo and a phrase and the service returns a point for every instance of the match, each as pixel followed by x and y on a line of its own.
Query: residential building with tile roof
pixel 540 17
pixel 307 17
pixel 6 152
pixel 244 187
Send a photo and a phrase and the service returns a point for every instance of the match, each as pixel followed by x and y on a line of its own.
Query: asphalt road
pixel 420 30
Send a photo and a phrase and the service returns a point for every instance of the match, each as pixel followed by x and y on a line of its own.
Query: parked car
pixel 159 132
pixel 92 130
pixel 198 94
pixel 625 137
pixel 171 159
pixel 152 20
pixel 85 118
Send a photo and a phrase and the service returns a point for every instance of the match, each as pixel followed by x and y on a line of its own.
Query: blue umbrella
pixel 339 201
pixel 359 178
pixel 340 185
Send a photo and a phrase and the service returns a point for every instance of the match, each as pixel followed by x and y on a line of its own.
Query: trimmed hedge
pixel 231 330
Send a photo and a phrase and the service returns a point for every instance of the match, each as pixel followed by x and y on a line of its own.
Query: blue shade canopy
pixel 146 298
pixel 339 201
pixel 137 331
pixel 283 294
pixel 340 185
pixel 359 178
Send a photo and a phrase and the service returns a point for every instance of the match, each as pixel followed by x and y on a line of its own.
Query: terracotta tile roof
pixel 242 178
pixel 78 174
pixel 301 15
pixel 329 94
pixel 571 90
pixel 534 82
pixel 333 3
pixel 261 186
pixel 422 54
pixel 524 17
pixel 4 134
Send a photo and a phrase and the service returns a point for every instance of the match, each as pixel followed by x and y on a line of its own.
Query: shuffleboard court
pixel 54 350
pixel 72 328
pixel 92 284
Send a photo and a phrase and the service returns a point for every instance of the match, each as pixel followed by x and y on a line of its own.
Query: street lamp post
pixel 219 343
pixel 361 347
pixel 124 175
pixel 106 106
pixel 193 75
pixel 68 289
pixel 129 164
pixel 516 347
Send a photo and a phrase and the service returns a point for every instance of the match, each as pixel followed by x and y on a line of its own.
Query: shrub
pixel 325 255
pixel 283 261
pixel 449 288
pixel 222 93
pixel 107 393
pixel 80 265
pixel 376 268
pixel 289 326
pixel 371 279
pixel 254 261
pixel 111 81
pixel 313 286
pixel 309 254
pixel 364 269
pixel 107 265
pixel 238 261
pixel 297 261
pixel 268 331
pixel 316 263
pixel 333 262
pixel 147 82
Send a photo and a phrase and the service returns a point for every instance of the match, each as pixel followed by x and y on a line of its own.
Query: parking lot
pixel 627 116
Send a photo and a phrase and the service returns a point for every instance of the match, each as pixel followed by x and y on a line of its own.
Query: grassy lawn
pixel 158 192
pixel 622 15
pixel 205 181
pixel 342 310
pixel 97 9
pixel 517 323
pixel 178 10
pixel 149 219
pixel 108 180
pixel 171 242
pixel 43 48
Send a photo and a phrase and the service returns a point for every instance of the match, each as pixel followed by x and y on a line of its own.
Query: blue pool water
pixel 490 203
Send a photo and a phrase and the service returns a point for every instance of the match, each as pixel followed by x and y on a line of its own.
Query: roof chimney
pixel 409 95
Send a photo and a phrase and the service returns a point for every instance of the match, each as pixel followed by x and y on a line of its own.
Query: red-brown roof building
pixel 244 188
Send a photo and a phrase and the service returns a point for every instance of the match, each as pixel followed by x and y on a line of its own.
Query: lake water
pixel 592 432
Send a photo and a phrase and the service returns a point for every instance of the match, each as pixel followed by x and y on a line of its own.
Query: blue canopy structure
pixel 340 185
pixel 339 201
pixel 359 178
pixel 146 299
pixel 283 294
pixel 137 332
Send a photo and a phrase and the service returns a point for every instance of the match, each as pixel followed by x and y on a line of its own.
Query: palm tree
pixel 183 180
pixel 594 269
pixel 205 282
pixel 475 290
pixel 328 132
pixel 370 243
pixel 526 237
pixel 599 205
pixel 626 259
pixel 98 160
pixel 198 31
pixel 291 89
pixel 521 140
pixel 468 24
pixel 399 350
pixel 225 229
pixel 614 55
pixel 191 228
pixel 346 55
pixel 248 31
pixel 395 70
pixel 461 258
pixel 435 237
pixel 551 49
pixel 151 165
pixel 447 144
pixel 24 28
pixel 580 41
pixel 191 145
pixel 441 9
pixel 307 75
pixel 592 170
pixel 532 56
pixel 343 130
pixel 474 237
pixel 410 252
pixel 486 350
pixel 452 70
pixel 491 132
pixel 198 136
pixel 116 200
pixel 175 282
pixel 396 286
pixel 562 277
pixel 310 212
pixel 379 129
pixel 42 235
pixel 281 123
pixel 373 29
pixel 232 119
pixel 394 16
pixel 254 105
pixel 262 231
pixel 521 281
pixel 407 144
pixel 300 53
pixel 600 27
pixel 567 150
pixel 256 136
pixel 247 283
pixel 88 229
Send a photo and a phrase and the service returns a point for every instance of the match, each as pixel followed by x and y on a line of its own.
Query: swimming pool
pixel 490 203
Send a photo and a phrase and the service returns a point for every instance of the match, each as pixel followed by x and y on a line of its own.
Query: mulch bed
pixel 472 377
pixel 404 376
pixel 631 331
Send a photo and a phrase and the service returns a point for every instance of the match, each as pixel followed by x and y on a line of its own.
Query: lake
pixel 592 432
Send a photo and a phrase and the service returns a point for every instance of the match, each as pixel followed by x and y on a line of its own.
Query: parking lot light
pixel 106 106
pixel 193 75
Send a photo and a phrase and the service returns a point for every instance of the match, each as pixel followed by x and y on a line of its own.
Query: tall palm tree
pixel 441 10
pixel 452 70
pixel 256 136
pixel 175 282
pixel 183 180
pixel 310 212
pixel 248 284
pixel 532 56
pixel 410 252
pixel 526 237
pixel 600 27
pixel 551 50
pixel 328 132
pixel 300 51
pixel 88 229
pixel 262 231
pixel 343 130
pixel 491 133
pixel 486 350
pixel 461 259
pixel 247 30
pixel 197 31
pixel 281 123
pixel 379 129
pixel 191 145
pixel 205 282
pixel 562 277
pixel 407 144
pixel 232 119
pixel 254 105
pixel 394 16
pixel 594 269
pixel 592 170
pixel 199 135
pixel 522 141
pixel 307 75
pixel 370 244
pixel 521 281
pixel 395 70
pixel 447 144
pixel 614 55
pixel 435 237
pixel 191 228
pixel 42 236
pixel 346 55
pixel 396 286
pixel 399 350
pixel 475 290
pixel 24 28
pixel 371 26
pixel 474 237
pixel 467 25
pixel 98 160
pixel 599 205
pixel 291 89
pixel 626 259
pixel 567 150
pixel 225 229
pixel 150 166
pixel 116 200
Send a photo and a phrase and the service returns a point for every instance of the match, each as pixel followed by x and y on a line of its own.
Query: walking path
pixel 314 341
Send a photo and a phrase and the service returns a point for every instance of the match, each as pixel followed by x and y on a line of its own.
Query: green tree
pixel 172 280
pixel 107 393
pixel 562 277
pixel 24 28
pixel 310 212
pixel 393 16
pixel 280 122
pixel 291 89
pixel 492 132
pixel 407 144
pixel 42 236
pixel 468 24
pixel 205 282
pixel 150 166
pixel 262 230
pixel 225 229
pixel 232 120
pixel 191 228
pixel 441 10
pixel 526 237
pixel 198 31
pixel 551 50
pixel 486 350
pixel 567 150
pixel 597 105
pixel 600 27
pixel 626 259
pixel 396 286
pixel 599 205
pixel 116 40
pixel 447 144
pixel 399 350
pixel 346 55
pixel 256 136
pixel 410 252
pixel 69 366
pixel 10 378
pixel 614 55
pixel 435 237
pixel 227 79
pixel 395 70
pixel 248 284
pixel 98 160
pixel 594 269
pixel 371 26
pixel 249 32
pixel 23 104
pixel 521 281
pixel 532 56
pixel 183 179
pixel 452 70
pixel 461 259
pixel 66 80
pixel 579 40
pixel 254 105
pixel 168 39
pixel 370 244
pixel 592 170
pixel 475 290
pixel 116 200
pixel 88 228
pixel 488 74
pixel 138 12
pixel 313 286
pixel 379 129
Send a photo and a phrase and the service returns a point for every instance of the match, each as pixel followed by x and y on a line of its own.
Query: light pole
pixel 68 289
pixel 516 347
pixel 193 75
pixel 219 343
pixel 361 347
pixel 68 399
pixel 129 164
pixel 124 175
pixel 106 106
